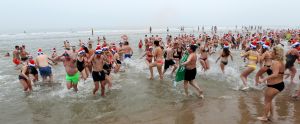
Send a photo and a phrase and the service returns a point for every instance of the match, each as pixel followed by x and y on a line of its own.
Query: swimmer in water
pixel 7 55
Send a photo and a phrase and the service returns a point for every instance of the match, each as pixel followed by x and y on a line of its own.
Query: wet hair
pixel 279 53
pixel 156 43
pixel 193 48
pixel 17 47
pixel 126 43
pixel 264 50
pixel 226 52
pixel 86 50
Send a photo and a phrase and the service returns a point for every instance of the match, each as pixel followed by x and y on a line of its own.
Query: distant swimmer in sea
pixel 7 55
pixel 16 56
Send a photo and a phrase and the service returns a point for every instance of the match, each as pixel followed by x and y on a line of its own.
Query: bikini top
pixel 252 57
pixel 27 71
pixel 270 71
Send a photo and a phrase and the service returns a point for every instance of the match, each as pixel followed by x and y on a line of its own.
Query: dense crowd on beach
pixel 259 48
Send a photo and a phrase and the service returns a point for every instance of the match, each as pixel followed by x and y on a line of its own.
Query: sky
pixel 20 15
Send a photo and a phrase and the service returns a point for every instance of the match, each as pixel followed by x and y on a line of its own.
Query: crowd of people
pixel 263 49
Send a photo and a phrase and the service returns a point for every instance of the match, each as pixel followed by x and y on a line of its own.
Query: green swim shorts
pixel 73 79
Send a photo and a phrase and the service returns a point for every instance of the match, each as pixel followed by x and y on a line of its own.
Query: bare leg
pixel 151 70
pixel 75 87
pixel 259 74
pixel 24 84
pixel 96 87
pixel 293 73
pixel 185 85
pixel 270 93
pixel 195 85
pixel 103 83
pixel 69 85
pixel 222 67
pixel 174 69
pixel 245 74
pixel 159 69
pixel 207 64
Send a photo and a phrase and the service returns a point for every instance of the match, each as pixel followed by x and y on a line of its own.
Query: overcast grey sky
pixel 67 14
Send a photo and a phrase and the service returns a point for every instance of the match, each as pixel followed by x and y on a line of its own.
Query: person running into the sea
pixel 16 56
pixel 108 65
pixel 253 58
pixel 81 63
pixel 204 52
pixel 274 81
pixel 53 55
pixel 178 52
pixel 117 60
pixel 191 71
pixel 128 52
pixel 169 61
pixel 158 61
pixel 33 69
pixel 23 54
pixel 149 55
pixel 291 56
pixel 67 45
pixel 266 62
pixel 89 54
pixel 72 73
pixel 224 57
pixel 24 77
pixel 43 65
pixel 98 73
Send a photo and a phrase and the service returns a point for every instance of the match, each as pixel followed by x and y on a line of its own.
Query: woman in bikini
pixel 224 57
pixel 149 55
pixel 204 52
pixel 265 61
pixel 158 61
pixel 274 81
pixel 24 77
pixel 252 55
pixel 81 63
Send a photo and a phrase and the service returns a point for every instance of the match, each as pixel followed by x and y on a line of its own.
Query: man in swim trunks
pixel 127 50
pixel 98 74
pixel 16 56
pixel 158 60
pixel 191 71
pixel 169 60
pixel 43 65
pixel 70 63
